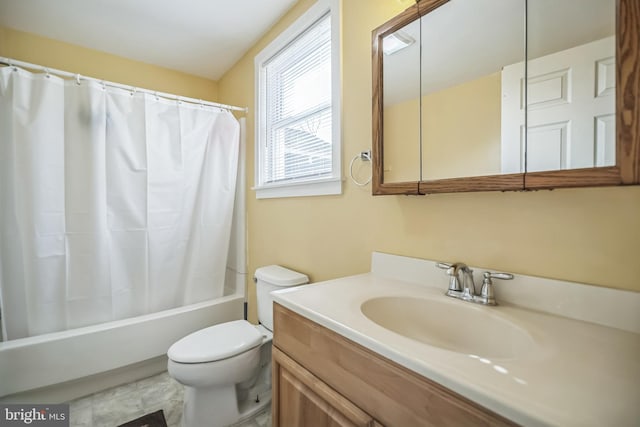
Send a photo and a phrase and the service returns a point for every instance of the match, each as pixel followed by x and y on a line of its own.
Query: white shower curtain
pixel 113 203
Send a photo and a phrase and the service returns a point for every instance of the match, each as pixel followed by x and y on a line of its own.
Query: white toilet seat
pixel 216 342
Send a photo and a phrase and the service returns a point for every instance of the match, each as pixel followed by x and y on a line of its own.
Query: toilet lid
pixel 216 343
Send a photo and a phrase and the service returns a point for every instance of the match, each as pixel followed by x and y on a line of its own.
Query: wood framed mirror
pixel 407 165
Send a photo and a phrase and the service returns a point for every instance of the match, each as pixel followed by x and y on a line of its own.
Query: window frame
pixel 331 185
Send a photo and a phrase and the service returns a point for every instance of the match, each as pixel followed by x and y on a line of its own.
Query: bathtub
pixel 61 366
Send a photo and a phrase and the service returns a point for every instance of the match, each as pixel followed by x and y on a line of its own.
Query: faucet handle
pixel 452 272
pixel 444 265
pixel 486 293
pixel 488 275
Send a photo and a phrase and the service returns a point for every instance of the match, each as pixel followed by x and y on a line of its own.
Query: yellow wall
pixel 460 133
pixel 402 158
pixel 584 235
pixel 461 130
pixel 76 59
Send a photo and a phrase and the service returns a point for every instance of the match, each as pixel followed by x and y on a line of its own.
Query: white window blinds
pixel 298 139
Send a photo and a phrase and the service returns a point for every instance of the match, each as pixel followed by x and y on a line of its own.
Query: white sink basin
pixel 451 325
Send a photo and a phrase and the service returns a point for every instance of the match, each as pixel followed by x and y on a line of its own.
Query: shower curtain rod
pixel 15 63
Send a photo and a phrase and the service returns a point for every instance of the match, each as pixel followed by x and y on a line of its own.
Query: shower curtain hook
pixel 47 74
pixel 134 90
pixel 156 95
pixel 200 102
pixel 179 99
pixel 78 79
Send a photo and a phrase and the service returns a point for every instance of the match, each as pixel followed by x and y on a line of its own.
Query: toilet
pixel 226 368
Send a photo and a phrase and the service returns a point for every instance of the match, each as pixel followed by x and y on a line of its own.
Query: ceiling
pixel 201 37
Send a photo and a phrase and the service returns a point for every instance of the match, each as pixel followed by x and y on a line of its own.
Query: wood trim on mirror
pixel 506 182
pixel 628 90
pixel 379 187
pixel 627 169
pixel 587 177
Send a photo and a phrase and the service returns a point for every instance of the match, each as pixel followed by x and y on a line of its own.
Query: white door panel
pixel 571 110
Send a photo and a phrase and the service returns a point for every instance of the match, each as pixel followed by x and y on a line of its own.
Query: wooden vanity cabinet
pixel 304 400
pixel 322 379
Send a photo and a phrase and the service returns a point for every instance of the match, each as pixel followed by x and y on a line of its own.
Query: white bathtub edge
pixel 41 361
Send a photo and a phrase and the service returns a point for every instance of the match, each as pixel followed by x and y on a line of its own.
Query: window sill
pixel 324 187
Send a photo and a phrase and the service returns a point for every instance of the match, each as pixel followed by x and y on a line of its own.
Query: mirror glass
pixel 457 104
pixel 571 86
pixel 401 106
pixel 466 46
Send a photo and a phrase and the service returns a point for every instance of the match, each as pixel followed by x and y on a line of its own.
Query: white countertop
pixel 580 373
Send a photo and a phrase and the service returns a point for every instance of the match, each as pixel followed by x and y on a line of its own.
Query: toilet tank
pixel 269 279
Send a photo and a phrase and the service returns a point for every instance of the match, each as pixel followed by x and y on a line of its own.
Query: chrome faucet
pixel 461 283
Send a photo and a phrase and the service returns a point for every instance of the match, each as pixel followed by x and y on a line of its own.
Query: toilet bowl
pixel 226 368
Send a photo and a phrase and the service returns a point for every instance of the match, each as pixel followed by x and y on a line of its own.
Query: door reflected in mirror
pixel 571 93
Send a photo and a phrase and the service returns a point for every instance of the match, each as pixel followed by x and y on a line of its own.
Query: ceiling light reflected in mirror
pixel 396 42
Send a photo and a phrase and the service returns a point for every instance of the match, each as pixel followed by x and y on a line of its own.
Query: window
pixel 298 109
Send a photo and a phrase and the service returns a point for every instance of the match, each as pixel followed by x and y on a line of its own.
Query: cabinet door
pixel 301 399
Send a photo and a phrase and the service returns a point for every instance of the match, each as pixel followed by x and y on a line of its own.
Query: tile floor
pixel 119 405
